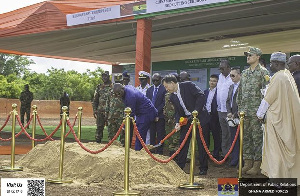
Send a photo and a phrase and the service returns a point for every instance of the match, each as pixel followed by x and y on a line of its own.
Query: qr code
pixel 35 187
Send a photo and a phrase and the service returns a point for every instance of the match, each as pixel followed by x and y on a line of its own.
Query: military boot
pixel 248 163
pixel 255 170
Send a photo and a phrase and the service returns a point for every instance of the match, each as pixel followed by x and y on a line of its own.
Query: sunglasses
pixel 155 80
pixel 232 76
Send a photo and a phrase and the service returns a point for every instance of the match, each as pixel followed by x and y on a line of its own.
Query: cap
pixel 118 77
pixel 125 74
pixel 278 56
pixel 143 74
pixel 105 73
pixel 253 50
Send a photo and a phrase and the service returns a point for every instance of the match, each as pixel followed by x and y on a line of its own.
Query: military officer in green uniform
pixel 26 98
pixel 169 113
pixel 101 105
pixel 115 112
pixel 253 81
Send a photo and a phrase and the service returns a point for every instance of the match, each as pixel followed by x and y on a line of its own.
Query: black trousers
pixel 203 157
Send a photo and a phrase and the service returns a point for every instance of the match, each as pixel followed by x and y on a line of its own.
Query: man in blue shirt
pixel 141 107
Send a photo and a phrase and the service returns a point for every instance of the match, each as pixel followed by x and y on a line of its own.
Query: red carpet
pixel 19 149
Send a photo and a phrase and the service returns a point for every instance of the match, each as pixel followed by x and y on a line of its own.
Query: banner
pixel 164 5
pixel 93 15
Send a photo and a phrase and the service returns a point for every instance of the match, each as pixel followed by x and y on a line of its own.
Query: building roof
pixel 41 30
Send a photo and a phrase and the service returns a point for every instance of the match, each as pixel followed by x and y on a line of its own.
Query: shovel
pixel 150 147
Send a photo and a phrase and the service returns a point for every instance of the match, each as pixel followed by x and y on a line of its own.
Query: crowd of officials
pixel 271 142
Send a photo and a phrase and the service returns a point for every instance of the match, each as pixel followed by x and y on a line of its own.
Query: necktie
pixel 154 95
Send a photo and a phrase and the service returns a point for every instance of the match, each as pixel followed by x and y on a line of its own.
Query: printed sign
pixel 164 5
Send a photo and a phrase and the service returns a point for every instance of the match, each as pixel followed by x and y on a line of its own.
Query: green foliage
pixel 14 74
pixel 13 64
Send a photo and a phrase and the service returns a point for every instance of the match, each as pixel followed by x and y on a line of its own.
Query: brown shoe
pixel 255 170
pixel 248 164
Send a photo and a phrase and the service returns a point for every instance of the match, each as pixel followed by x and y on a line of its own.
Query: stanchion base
pixel 10 169
pixel 59 181
pixel 195 185
pixel 127 193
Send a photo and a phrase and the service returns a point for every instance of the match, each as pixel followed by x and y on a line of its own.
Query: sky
pixel 42 64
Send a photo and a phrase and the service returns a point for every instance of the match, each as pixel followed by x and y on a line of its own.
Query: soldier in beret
pixel 101 104
pixel 126 78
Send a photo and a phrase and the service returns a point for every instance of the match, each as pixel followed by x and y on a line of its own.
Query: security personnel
pixel 115 112
pixel 253 81
pixel 101 105
pixel 144 78
pixel 169 113
pixel 26 98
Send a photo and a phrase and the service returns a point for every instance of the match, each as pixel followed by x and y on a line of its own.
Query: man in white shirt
pixel 211 106
pixel 222 93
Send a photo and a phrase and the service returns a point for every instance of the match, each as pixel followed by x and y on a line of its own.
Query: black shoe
pixel 202 172
pixel 98 141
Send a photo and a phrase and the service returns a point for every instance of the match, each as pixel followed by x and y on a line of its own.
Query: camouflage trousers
pixel 174 139
pixel 113 127
pixel 253 138
pixel 100 121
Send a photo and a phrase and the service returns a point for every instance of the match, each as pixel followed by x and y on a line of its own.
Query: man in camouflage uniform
pixel 115 112
pixel 253 80
pixel 101 105
pixel 25 99
pixel 169 113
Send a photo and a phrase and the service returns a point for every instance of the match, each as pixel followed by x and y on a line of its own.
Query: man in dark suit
pixel 232 114
pixel 187 97
pixel 212 108
pixel 294 68
pixel 156 93
pixel 141 107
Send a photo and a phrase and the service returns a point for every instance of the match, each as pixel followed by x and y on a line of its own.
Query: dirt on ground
pixel 103 173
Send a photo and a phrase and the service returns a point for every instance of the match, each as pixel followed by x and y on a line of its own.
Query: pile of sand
pixel 105 168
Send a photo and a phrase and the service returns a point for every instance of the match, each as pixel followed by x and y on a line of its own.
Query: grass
pixel 87 132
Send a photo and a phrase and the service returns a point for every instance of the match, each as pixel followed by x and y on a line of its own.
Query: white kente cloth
pixel 281 149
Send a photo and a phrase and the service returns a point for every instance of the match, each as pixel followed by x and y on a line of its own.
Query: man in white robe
pixel 281 104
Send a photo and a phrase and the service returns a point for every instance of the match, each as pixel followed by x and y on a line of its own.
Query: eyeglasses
pixel 232 75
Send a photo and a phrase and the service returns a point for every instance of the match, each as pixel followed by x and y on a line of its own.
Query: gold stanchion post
pixel 59 180
pixel 192 184
pixel 79 115
pixel 242 115
pixel 34 108
pixel 126 191
pixel 12 167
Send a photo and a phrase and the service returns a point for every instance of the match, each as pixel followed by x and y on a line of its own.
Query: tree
pixel 13 64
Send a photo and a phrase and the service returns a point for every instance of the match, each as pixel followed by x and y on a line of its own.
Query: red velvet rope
pixel 207 150
pixel 72 127
pixel 5 123
pixel 37 140
pixel 18 134
pixel 98 151
pixel 39 121
pixel 152 156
